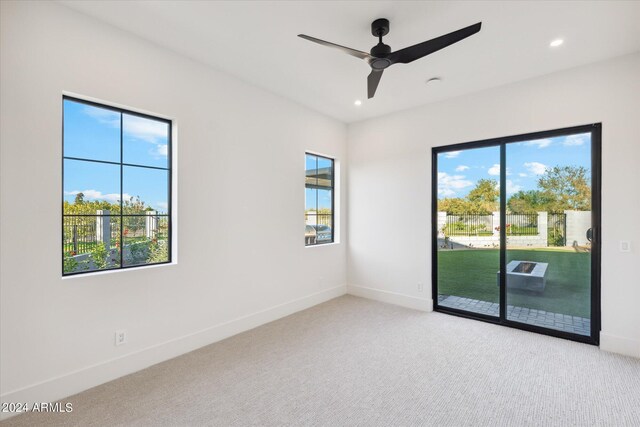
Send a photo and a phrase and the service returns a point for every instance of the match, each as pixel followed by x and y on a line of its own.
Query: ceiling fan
pixel 381 57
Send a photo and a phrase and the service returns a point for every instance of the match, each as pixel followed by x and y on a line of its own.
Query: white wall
pixel 390 180
pixel 240 153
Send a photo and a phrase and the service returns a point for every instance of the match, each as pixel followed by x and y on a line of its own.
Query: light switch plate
pixel 625 246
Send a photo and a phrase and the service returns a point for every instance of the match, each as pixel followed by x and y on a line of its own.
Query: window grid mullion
pixel 331 216
pixel 82 159
pixel 121 245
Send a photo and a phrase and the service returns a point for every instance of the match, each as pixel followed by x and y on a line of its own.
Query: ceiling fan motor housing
pixel 381 50
pixel 379 28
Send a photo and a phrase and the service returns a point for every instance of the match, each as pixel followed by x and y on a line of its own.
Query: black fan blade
pixel 372 82
pixel 347 50
pixel 411 53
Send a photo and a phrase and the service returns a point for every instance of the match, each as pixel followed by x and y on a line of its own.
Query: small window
pixel 318 212
pixel 116 196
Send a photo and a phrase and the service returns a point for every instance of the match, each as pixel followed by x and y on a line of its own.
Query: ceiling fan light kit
pixel 381 57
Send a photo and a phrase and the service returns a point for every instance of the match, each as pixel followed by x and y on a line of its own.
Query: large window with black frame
pixel 318 211
pixel 116 200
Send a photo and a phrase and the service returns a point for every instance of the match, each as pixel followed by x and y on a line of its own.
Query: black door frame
pixel 595 129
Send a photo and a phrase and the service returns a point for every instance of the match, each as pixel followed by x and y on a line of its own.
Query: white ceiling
pixel 256 41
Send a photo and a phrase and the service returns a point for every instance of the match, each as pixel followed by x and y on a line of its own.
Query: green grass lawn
pixel 472 274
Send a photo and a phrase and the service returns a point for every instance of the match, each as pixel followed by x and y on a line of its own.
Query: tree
pixel 79 199
pixel 486 190
pixel 560 188
pixel 531 201
pixel 566 188
pixel 454 206
pixel 135 206
pixel 89 207
pixel 484 197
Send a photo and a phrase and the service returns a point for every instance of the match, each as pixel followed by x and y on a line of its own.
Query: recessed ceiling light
pixel 556 43
pixel 357 103
pixel 434 80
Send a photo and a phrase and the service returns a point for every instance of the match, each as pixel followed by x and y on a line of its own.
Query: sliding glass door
pixel 515 231
pixel 468 239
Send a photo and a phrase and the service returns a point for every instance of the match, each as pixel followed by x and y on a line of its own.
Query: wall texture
pixel 390 174
pixel 240 225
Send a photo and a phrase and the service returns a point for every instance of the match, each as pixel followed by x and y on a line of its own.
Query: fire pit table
pixel 527 275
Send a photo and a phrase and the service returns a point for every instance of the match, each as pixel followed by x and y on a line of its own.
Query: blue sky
pixel 94 133
pixel 459 171
pixel 324 199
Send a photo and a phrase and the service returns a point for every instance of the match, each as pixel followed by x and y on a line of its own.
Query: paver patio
pixel 546 319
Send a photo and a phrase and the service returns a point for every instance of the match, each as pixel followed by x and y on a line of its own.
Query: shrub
pixel 158 252
pixel 138 252
pixel 555 239
pixel 69 264
pixel 99 255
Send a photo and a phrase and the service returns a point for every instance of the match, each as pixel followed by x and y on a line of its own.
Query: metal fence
pixel 80 233
pixel 318 219
pixel 163 228
pixel 516 225
pixel 469 225
pixel 483 225
pixel 521 224
pixel 557 229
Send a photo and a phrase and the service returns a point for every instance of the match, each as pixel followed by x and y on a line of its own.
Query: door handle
pixel 590 235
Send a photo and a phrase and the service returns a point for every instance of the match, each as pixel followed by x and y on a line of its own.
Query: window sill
pixel 119 270
pixel 321 245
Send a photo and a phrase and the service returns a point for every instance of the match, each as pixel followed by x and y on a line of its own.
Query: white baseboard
pixel 58 388
pixel 619 345
pixel 403 300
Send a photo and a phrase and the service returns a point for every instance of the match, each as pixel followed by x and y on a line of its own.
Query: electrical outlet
pixel 420 287
pixel 625 246
pixel 121 337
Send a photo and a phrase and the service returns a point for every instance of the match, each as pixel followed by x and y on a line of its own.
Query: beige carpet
pixel 353 361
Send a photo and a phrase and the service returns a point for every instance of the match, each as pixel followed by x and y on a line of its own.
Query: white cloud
pixel 98 195
pixel 462 168
pixel 448 184
pixel 160 150
pixel 452 154
pixel 107 117
pixel 147 130
pixel 512 187
pixel 573 140
pixel 151 131
pixel 535 168
pixel 540 143
pixel 522 174
pixel 495 170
